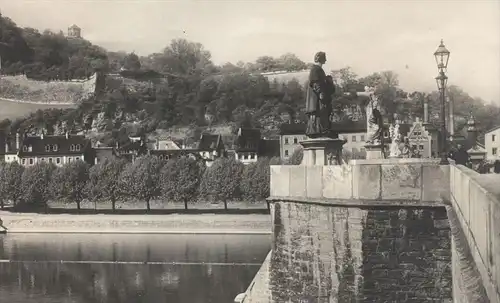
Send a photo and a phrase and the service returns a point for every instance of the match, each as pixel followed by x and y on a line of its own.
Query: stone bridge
pixel 382 230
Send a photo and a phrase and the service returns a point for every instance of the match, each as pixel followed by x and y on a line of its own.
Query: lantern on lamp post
pixel 442 56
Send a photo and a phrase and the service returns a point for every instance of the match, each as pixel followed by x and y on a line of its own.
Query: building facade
pixel 60 150
pixel 492 143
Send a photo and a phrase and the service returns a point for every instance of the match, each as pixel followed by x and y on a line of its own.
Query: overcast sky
pixel 368 35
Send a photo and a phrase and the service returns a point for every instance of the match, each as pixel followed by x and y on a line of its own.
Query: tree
pixel 141 179
pixel 255 180
pixel 183 57
pixel 131 62
pixel 266 63
pixel 104 181
pixel 290 62
pixel 10 182
pixel 221 180
pixel 69 182
pixel 35 185
pixel 181 178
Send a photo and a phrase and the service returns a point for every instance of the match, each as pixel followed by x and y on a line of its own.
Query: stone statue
pixel 394 150
pixel 319 100
pixel 374 122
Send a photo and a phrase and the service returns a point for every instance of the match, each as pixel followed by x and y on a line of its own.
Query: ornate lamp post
pixel 442 55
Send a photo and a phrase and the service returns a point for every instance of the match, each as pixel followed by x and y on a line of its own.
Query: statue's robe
pixel 376 126
pixel 318 110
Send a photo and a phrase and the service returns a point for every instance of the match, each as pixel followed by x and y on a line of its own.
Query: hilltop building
pixel 74 31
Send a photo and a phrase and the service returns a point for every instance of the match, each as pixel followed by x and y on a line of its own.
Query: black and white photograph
pixel 249 151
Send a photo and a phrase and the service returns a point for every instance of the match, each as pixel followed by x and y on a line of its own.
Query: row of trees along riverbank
pixel 148 178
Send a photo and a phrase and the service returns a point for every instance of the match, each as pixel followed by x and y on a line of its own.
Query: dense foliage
pixel 182 180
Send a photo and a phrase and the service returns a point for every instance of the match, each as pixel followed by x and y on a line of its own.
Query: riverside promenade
pixel 137 224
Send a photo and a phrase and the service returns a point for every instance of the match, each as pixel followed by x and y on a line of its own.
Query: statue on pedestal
pixel 394 151
pixel 374 122
pixel 319 100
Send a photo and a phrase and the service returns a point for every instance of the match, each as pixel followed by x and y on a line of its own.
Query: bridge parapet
pixel 475 199
pixel 404 180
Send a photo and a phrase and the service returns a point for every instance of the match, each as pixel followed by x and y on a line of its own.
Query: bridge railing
pixel 476 201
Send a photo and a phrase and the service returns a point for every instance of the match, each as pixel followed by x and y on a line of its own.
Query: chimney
pixel 426 111
pixel 41 136
pixel 6 146
pixel 18 140
pixel 67 135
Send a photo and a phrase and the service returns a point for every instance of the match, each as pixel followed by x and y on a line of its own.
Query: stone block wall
pixel 475 214
pixel 360 254
pixel 418 180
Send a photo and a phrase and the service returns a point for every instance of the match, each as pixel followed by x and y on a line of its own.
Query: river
pixel 57 268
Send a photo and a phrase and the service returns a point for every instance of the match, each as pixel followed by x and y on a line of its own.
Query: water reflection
pixel 30 272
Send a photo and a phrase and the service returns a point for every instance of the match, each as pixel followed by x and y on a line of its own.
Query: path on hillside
pixel 36 102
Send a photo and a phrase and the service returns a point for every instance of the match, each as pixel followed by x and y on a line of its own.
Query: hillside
pixel 23 89
pixel 12 110
pixel 180 92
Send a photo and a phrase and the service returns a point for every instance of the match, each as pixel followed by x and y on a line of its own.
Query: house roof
pixel 65 145
pixel 248 139
pixel 74 26
pixel 492 129
pixel 209 142
pixel 269 148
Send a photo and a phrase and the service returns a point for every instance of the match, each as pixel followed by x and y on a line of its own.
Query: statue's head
pixel 320 58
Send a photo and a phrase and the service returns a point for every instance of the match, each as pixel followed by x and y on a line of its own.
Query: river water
pixel 57 268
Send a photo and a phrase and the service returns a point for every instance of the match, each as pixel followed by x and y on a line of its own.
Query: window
pixel 286 153
pixel 421 147
pixel 494 150
pixel 286 140
pixel 295 141
pixel 353 138
pixel 362 138
pixel 47 148
pixel 55 147
pixel 77 147
pixel 25 148
pixel 31 161
pixel 30 148
pixel 58 160
pixel 493 138
pixel 50 160
pixel 72 147
pixel 77 158
pixel 23 161
pixel 69 159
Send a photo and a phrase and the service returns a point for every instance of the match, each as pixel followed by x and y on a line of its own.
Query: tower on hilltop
pixel 74 31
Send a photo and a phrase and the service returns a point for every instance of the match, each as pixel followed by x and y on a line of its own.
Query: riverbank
pixel 137 224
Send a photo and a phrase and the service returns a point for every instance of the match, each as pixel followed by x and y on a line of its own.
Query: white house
pixel 492 143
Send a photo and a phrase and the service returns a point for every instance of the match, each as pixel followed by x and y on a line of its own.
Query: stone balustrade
pixel 405 180
pixel 475 200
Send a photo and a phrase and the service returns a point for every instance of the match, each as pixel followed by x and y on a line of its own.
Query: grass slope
pixel 12 110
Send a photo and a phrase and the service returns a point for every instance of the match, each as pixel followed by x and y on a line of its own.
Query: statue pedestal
pixel 374 151
pixel 322 151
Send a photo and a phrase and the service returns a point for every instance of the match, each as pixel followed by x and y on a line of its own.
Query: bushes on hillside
pixel 148 178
